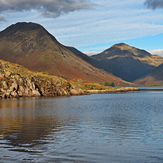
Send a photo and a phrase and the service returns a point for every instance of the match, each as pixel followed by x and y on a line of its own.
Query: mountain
pixel 84 56
pixel 32 46
pixel 18 81
pixel 126 62
pixel 155 77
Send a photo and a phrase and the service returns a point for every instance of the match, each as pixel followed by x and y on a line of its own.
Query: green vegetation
pixel 90 86
pixel 42 57
pixel 16 69
pixel 161 83
pixel 110 84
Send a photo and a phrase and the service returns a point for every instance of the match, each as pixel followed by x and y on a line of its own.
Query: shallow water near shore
pixel 116 127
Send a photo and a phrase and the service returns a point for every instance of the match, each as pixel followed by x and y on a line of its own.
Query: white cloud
pixel 157 52
pixel 2 18
pixel 89 53
pixel 106 24
pixel 87 30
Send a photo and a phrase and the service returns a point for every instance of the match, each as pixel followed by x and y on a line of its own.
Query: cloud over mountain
pixel 2 18
pixel 154 4
pixel 49 8
pixel 157 52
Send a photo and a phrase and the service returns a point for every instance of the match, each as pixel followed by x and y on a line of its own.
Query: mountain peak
pixel 126 62
pixel 32 46
pixel 29 31
pixel 31 36
pixel 22 27
pixel 123 46
pixel 22 24
pixel 120 44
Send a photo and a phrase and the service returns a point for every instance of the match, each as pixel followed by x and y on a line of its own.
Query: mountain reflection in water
pixel 25 122
pixel 125 127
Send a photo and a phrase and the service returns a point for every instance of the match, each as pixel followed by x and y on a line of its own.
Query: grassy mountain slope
pixel 155 77
pixel 126 62
pixel 31 46
pixel 18 81
pixel 84 56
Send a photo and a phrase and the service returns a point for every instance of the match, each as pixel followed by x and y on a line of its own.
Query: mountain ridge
pixel 30 45
pixel 126 62
pixel 155 77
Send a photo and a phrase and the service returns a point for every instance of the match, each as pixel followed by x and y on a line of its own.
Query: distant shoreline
pixel 119 90
pixel 85 92
pixel 150 89
pixel 89 92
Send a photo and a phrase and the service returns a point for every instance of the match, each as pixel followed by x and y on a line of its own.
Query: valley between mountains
pixel 30 46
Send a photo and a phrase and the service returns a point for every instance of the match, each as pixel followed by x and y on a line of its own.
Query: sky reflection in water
pixel 126 127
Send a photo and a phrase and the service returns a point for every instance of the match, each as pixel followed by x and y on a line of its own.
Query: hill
pixel 84 56
pixel 17 81
pixel 155 77
pixel 126 62
pixel 31 46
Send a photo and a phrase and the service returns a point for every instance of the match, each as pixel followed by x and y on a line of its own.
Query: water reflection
pixel 26 122
pixel 96 128
pixel 17 103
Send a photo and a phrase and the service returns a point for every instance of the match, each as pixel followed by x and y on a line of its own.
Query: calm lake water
pixel 99 128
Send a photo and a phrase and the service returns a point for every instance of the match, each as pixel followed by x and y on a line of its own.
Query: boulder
pixel 5 86
pixel 36 93
pixel 14 87
pixel 7 74
pixel 1 75
pixel 14 94
pixel 76 91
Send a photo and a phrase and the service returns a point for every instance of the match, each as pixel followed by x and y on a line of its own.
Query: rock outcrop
pixel 14 85
pixel 17 81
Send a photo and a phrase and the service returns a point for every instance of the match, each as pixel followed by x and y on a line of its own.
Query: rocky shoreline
pixel 33 90
pixel 15 85
pixel 19 86
pixel 17 81
pixel 118 90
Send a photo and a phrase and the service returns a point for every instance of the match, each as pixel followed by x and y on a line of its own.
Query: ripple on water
pixel 125 127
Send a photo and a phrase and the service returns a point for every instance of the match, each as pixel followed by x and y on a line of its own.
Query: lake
pixel 98 128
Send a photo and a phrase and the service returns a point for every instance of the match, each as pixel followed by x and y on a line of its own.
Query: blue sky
pixel 92 25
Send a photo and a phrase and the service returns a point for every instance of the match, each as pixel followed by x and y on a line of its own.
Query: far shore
pixel 85 92
pixel 113 90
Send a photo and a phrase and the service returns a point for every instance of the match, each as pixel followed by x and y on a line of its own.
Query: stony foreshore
pixel 25 87
pixel 30 89
pixel 34 85
pixel 123 89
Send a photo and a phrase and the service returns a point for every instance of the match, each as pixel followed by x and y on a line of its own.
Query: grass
pixel 90 86
pixel 16 69
pixel 42 57
pixel 42 78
